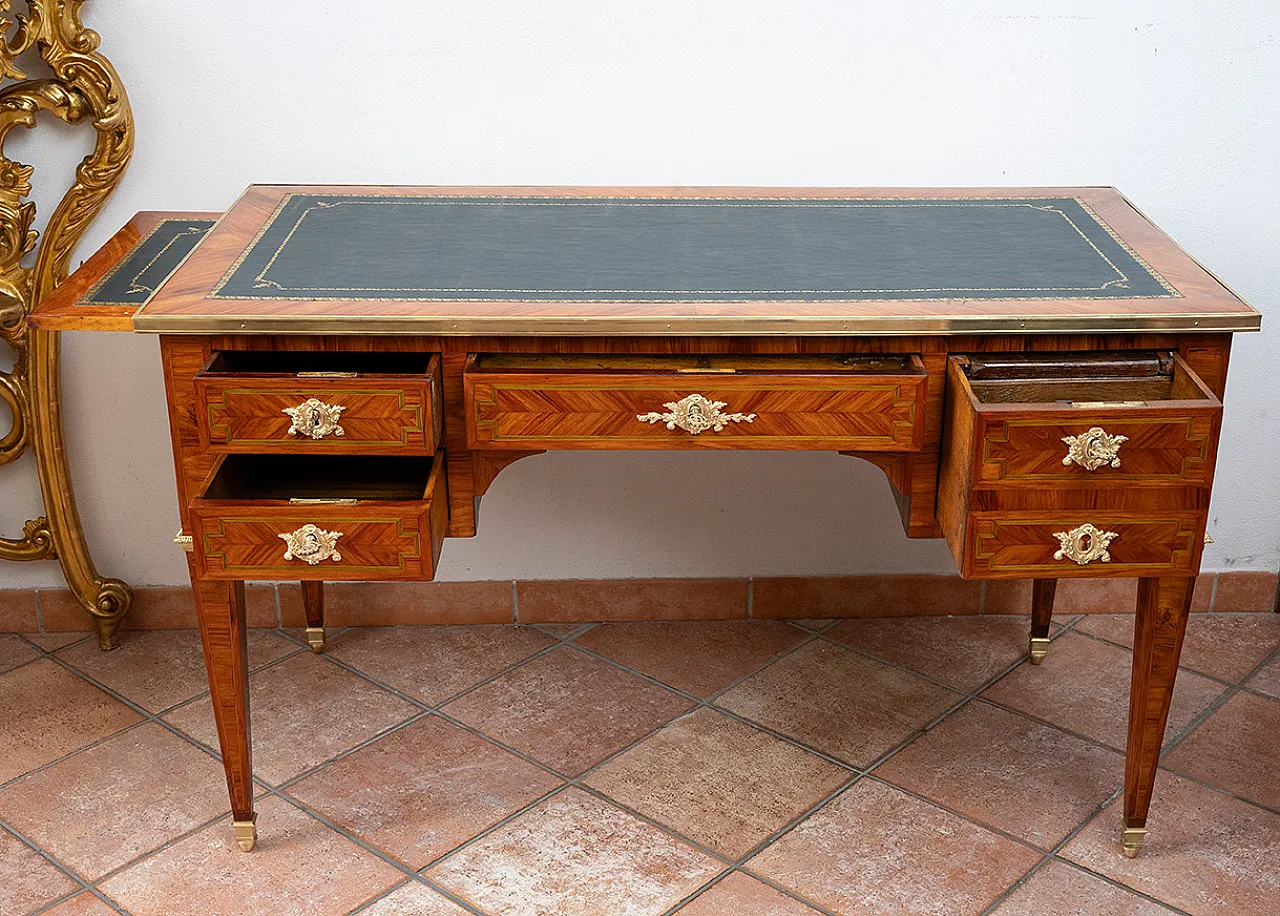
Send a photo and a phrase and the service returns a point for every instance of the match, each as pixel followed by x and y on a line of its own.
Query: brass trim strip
pixel 1104 405
pixel 689 326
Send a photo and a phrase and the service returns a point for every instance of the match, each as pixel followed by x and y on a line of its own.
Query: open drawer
pixel 1076 464
pixel 839 403
pixel 318 402
pixel 321 517
pixel 1081 421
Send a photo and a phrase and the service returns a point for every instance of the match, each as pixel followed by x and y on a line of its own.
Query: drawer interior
pixel 317 364
pixel 321 477
pixel 732 364
pixel 1083 380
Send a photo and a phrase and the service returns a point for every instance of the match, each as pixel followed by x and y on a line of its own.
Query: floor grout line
pixel 567 640
pixel 380 896
pixel 1226 682
pixel 1222 700
pixel 147 715
pixel 409 872
pixel 220 817
pixel 82 882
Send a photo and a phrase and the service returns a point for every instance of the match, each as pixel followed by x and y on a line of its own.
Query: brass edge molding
pixel 693 325
pixel 83 88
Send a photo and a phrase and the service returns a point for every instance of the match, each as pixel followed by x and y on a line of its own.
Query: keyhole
pixel 1085 543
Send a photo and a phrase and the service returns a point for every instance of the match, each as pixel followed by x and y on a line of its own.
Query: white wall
pixel 1172 102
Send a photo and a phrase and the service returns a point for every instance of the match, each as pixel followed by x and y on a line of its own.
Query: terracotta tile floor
pixel 874 766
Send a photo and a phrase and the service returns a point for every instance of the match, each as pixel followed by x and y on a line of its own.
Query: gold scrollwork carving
pixel 696 414
pixel 14 442
pixel 1093 449
pixel 83 87
pixel 1084 544
pixel 312 545
pixel 36 543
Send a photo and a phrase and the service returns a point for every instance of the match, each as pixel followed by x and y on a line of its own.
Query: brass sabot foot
pixel 1039 649
pixel 246 833
pixel 1133 838
pixel 315 638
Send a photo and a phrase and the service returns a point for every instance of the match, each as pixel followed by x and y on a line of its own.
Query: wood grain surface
pixel 62 309
pixel 382 414
pixel 1011 545
pixel 507 408
pixel 1159 629
pixel 184 304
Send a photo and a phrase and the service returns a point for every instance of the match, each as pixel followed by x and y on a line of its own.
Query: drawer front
pixel 1083 544
pixel 863 413
pixel 1073 429
pixel 276 540
pixel 369 415
pixel 1110 448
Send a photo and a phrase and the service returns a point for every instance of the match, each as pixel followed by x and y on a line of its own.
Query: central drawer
pixel 839 403
pixel 321 517
pixel 320 403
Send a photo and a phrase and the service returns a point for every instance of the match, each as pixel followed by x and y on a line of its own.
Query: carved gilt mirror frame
pixel 84 88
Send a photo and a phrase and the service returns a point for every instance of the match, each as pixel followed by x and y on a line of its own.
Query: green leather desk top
pixel 618 249
pixel 566 261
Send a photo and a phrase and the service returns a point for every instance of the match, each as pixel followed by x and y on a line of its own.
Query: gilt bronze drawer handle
pixel 1084 544
pixel 311 545
pixel 695 414
pixel 1093 449
pixel 315 419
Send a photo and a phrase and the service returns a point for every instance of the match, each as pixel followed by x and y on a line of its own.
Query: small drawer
pixel 320 403
pixel 839 403
pixel 1093 422
pixel 1066 545
pixel 1071 436
pixel 321 517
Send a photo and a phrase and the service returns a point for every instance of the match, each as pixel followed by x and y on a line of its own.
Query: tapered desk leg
pixel 313 605
pixel 1042 592
pixel 1163 605
pixel 220 606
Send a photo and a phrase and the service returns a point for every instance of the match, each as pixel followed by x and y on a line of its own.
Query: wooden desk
pixel 1038 372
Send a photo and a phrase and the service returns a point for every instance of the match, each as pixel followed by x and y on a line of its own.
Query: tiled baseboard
pixel 54 610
